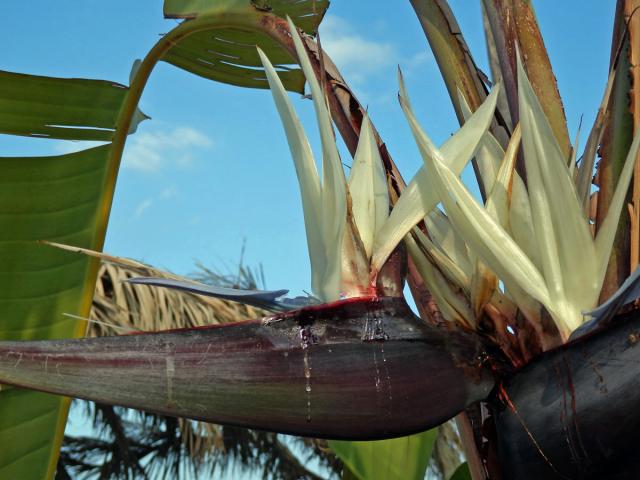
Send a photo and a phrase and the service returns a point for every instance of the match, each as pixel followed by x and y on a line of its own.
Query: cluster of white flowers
pixel 527 247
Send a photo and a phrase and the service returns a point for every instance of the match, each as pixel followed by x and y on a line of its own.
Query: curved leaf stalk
pixel 287 373
pixel 127 115
pixel 248 18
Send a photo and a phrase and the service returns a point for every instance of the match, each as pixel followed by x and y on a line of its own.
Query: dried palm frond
pixel 120 304
pixel 132 444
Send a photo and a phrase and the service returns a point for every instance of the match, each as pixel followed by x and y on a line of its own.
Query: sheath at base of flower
pixel 356 369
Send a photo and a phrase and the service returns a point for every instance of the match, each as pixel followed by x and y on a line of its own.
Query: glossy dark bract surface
pixel 572 412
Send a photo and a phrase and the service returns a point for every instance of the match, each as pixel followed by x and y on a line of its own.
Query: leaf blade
pixel 40 283
pixel 62 108
pixel 382 459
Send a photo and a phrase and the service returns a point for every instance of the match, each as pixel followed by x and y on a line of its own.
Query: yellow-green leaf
pixel 44 198
pixel 404 458
pixel 228 54
pixel 64 108
pixel 307 14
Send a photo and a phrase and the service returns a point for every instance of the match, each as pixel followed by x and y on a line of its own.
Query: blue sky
pixel 212 168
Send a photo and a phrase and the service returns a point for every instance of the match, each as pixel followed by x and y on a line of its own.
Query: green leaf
pixel 404 458
pixel 307 14
pixel 64 108
pixel 461 473
pixel 44 198
pixel 227 53
pixel 229 56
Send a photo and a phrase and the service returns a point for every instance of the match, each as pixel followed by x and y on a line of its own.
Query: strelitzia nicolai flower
pixel 533 240
pixel 346 222
pixel 566 270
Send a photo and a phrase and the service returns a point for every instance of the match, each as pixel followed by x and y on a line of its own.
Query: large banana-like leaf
pixel 404 458
pixel 306 14
pixel 63 108
pixel 229 55
pixel 57 198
